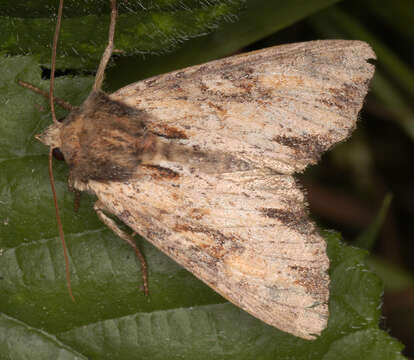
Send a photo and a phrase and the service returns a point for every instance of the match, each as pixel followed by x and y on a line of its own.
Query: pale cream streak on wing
pixel 278 107
pixel 215 227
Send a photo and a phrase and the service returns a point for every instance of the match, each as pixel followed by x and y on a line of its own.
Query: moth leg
pixel 100 208
pixel 64 104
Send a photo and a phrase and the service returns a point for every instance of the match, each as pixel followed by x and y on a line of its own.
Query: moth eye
pixel 61 119
pixel 57 154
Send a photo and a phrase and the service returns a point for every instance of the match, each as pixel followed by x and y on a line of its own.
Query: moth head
pixel 51 136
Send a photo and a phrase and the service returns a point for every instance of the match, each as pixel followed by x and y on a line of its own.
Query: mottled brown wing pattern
pixel 226 206
pixel 245 234
pixel 279 107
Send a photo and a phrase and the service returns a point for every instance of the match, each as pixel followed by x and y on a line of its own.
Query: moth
pixel 201 163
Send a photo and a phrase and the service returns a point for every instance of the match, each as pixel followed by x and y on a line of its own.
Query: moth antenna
pixel 62 237
pixel 53 67
pixel 109 48
pixel 52 181
pixel 64 104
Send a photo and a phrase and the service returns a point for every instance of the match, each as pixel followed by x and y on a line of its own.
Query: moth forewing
pixel 279 107
pixel 201 161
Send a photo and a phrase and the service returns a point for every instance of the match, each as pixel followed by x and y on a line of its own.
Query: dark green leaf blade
pixel 140 29
pixel 19 341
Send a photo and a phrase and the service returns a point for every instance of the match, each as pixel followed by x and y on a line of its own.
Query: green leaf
pixel 20 341
pixel 144 27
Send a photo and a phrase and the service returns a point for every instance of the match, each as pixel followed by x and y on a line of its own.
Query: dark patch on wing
pixel 223 244
pixel 159 172
pixel 168 132
pixel 309 147
pixel 293 219
pixel 199 213
pixel 217 107
pixel 348 96
pixel 312 281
